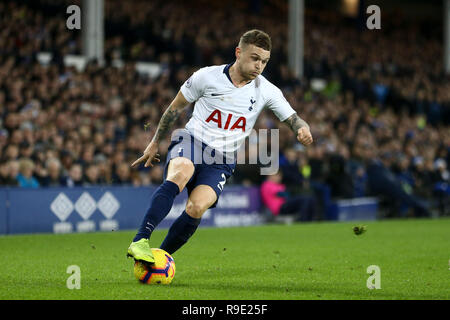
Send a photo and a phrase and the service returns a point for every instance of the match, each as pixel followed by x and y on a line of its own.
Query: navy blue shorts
pixel 207 170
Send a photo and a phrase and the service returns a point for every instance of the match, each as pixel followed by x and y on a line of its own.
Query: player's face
pixel 252 60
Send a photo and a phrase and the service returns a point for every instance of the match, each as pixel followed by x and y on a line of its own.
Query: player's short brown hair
pixel 256 37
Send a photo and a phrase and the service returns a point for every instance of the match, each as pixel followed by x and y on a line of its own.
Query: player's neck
pixel 236 77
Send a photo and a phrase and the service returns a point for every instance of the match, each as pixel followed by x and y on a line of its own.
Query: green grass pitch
pixel 299 261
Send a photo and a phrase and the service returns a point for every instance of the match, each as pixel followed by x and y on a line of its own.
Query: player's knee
pixel 182 165
pixel 195 209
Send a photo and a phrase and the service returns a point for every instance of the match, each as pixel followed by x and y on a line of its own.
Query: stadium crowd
pixel 377 102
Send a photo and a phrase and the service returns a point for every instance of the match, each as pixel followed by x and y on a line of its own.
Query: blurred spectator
pixel 104 169
pixel 4 173
pixel 25 176
pixel 290 167
pixel 8 175
pixel 383 182
pixel 122 174
pixel 53 177
pixel 75 178
pixel 339 179
pixel 441 173
pixel 275 197
pixel 26 150
pixel 14 169
pixel 12 152
pixel 156 175
pixel 92 176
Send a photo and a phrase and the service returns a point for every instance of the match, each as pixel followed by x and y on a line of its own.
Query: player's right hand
pixel 149 155
pixel 304 136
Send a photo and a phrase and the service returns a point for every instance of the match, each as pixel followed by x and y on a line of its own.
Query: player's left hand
pixel 304 136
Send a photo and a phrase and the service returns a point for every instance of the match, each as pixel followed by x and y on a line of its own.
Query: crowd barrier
pixel 82 209
pixel 64 210
pixel 365 208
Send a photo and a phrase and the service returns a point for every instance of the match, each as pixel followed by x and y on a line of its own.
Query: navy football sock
pixel 180 232
pixel 160 205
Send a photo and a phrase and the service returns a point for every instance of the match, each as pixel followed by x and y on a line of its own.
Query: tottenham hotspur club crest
pixel 252 102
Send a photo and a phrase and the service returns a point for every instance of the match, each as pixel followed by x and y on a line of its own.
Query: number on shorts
pixel 222 183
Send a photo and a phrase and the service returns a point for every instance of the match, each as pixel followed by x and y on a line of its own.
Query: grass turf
pixel 300 261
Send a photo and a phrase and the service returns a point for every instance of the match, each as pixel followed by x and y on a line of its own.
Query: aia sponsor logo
pixel 216 116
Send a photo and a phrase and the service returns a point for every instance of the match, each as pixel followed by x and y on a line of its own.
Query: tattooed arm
pixel 300 129
pixel 169 117
pixel 165 124
pixel 295 122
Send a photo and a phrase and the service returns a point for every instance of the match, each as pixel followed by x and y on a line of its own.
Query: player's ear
pixel 238 52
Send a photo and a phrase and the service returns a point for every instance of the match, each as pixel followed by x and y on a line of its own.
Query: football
pixel 162 272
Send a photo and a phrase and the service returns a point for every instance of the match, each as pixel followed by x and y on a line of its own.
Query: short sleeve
pixel 279 105
pixel 194 87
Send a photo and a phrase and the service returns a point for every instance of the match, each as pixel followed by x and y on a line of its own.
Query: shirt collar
pixel 226 70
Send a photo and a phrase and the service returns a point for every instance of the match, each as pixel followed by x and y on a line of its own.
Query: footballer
pixel 228 100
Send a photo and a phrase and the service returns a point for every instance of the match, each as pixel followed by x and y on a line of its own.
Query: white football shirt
pixel 224 115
